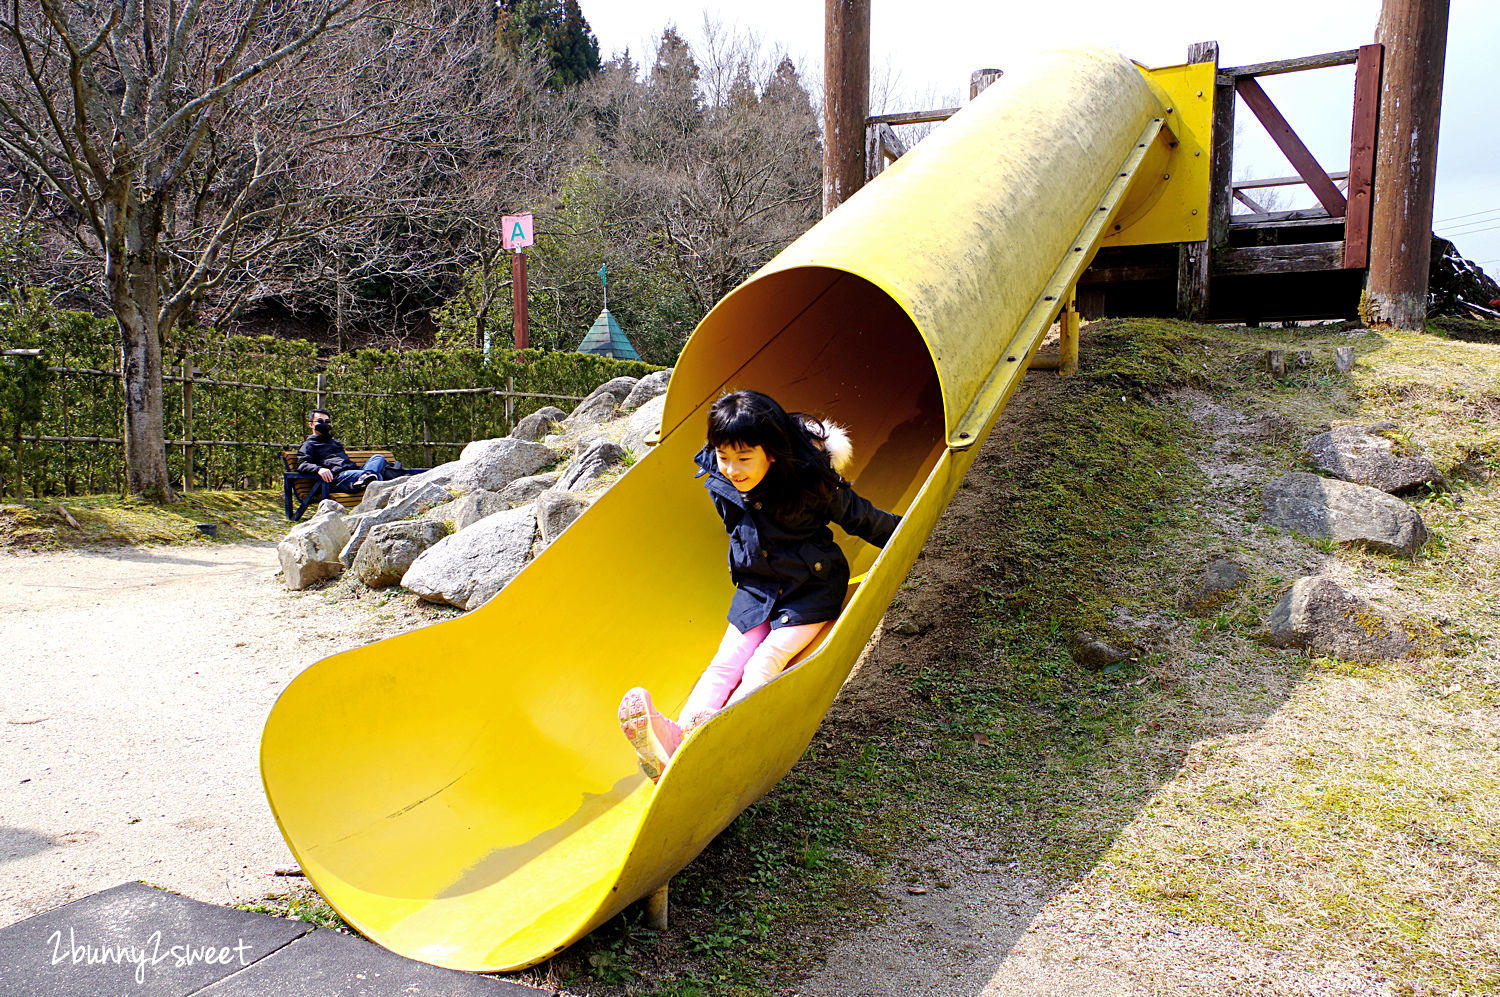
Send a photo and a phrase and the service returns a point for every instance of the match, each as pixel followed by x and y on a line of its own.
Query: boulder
pixel 414 503
pixel 310 551
pixel 651 386
pixel 1093 653
pixel 391 548
pixel 1215 585
pixel 618 388
pixel 556 510
pixel 468 509
pixel 538 424
pixel 482 558
pixel 590 464
pixel 1345 512
pixel 1318 615
pixel 378 494
pixel 330 505
pixel 493 464
pixel 1361 455
pixel 592 411
pixel 643 422
pixel 524 490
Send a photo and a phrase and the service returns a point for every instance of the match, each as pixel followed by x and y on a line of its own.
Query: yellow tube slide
pixel 462 794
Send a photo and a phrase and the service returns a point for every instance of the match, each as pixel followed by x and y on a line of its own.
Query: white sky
pixel 924 52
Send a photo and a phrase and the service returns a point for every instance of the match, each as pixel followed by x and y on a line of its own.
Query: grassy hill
pixel 1245 806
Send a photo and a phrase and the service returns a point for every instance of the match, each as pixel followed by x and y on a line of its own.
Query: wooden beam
pixel 1299 218
pixel 882 146
pixel 980 79
pixel 1193 257
pixel 1096 275
pixel 912 117
pixel 1291 146
pixel 1304 258
pixel 846 98
pixel 1231 73
pixel 1203 52
pixel 1362 156
pixel 1247 201
pixel 1221 167
pixel 1282 181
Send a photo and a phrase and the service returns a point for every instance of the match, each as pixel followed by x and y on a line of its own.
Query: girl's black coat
pixel 788 571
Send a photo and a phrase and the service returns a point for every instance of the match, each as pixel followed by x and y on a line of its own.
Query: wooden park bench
pixel 302 490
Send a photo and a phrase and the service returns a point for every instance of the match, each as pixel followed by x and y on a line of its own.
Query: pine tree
pixel 554 30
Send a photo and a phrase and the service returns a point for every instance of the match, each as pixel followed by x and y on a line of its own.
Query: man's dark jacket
pixel 789 571
pixel 322 451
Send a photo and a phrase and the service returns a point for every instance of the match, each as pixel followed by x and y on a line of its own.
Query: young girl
pixel 775 480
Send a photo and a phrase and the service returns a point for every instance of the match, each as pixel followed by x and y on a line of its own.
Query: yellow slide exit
pixel 481 809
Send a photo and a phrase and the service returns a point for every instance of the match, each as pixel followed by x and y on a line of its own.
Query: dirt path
pixel 135 684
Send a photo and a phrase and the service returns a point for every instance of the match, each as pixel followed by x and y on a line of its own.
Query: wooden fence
pixel 92 462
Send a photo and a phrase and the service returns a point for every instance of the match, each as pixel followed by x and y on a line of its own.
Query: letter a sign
pixel 517 231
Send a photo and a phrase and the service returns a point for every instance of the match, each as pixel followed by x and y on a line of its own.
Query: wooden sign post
pixel 518 232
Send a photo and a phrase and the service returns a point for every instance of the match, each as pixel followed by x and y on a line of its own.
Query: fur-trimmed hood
pixel 838 446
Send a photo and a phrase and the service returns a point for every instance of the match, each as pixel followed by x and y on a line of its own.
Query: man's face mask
pixel 322 427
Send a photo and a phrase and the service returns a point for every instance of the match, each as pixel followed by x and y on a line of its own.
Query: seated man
pixel 324 456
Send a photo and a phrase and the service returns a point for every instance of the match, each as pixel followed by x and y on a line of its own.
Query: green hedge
pixel 370 392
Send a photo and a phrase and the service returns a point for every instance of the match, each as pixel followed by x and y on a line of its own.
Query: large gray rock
pixel 590 464
pixel 1342 511
pixel 524 490
pixel 414 503
pixel 592 411
pixel 490 553
pixel 467 509
pixel 378 494
pixel 391 548
pixel 556 510
pixel 618 388
pixel 1319 616
pixel 1094 653
pixel 493 464
pixel 310 551
pixel 538 424
pixel 1359 454
pixel 329 505
pixel 643 422
pixel 489 465
pixel 647 388
pixel 1215 585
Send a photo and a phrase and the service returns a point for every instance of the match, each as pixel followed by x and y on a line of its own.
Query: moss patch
pixel 112 520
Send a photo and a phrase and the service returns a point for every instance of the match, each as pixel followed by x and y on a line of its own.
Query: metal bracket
pixel 1011 368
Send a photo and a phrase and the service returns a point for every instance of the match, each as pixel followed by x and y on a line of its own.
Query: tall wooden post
pixel 1414 33
pixel 846 98
pixel 518 292
pixel 1193 258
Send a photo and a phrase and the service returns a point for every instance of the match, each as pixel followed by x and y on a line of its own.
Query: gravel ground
pixel 135 685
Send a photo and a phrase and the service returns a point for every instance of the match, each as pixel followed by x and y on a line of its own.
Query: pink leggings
pixel 744 663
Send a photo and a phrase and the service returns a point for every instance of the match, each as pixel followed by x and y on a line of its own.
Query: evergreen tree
pixel 575 50
pixel 673 87
pixel 554 30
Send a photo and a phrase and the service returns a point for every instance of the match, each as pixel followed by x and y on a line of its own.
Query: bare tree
pixel 190 142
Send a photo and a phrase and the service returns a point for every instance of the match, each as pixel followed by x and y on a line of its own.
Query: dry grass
pixel 115 520
pixel 1360 820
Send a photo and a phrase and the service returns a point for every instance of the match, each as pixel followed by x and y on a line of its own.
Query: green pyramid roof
pixel 606 338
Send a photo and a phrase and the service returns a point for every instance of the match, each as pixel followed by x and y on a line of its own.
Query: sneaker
pixel 696 719
pixel 654 737
pixel 364 480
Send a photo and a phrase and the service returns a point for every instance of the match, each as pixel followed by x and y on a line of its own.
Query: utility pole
pixel 846 98
pixel 1415 35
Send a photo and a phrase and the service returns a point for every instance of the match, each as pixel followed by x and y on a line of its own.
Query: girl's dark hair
pixel 801 476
